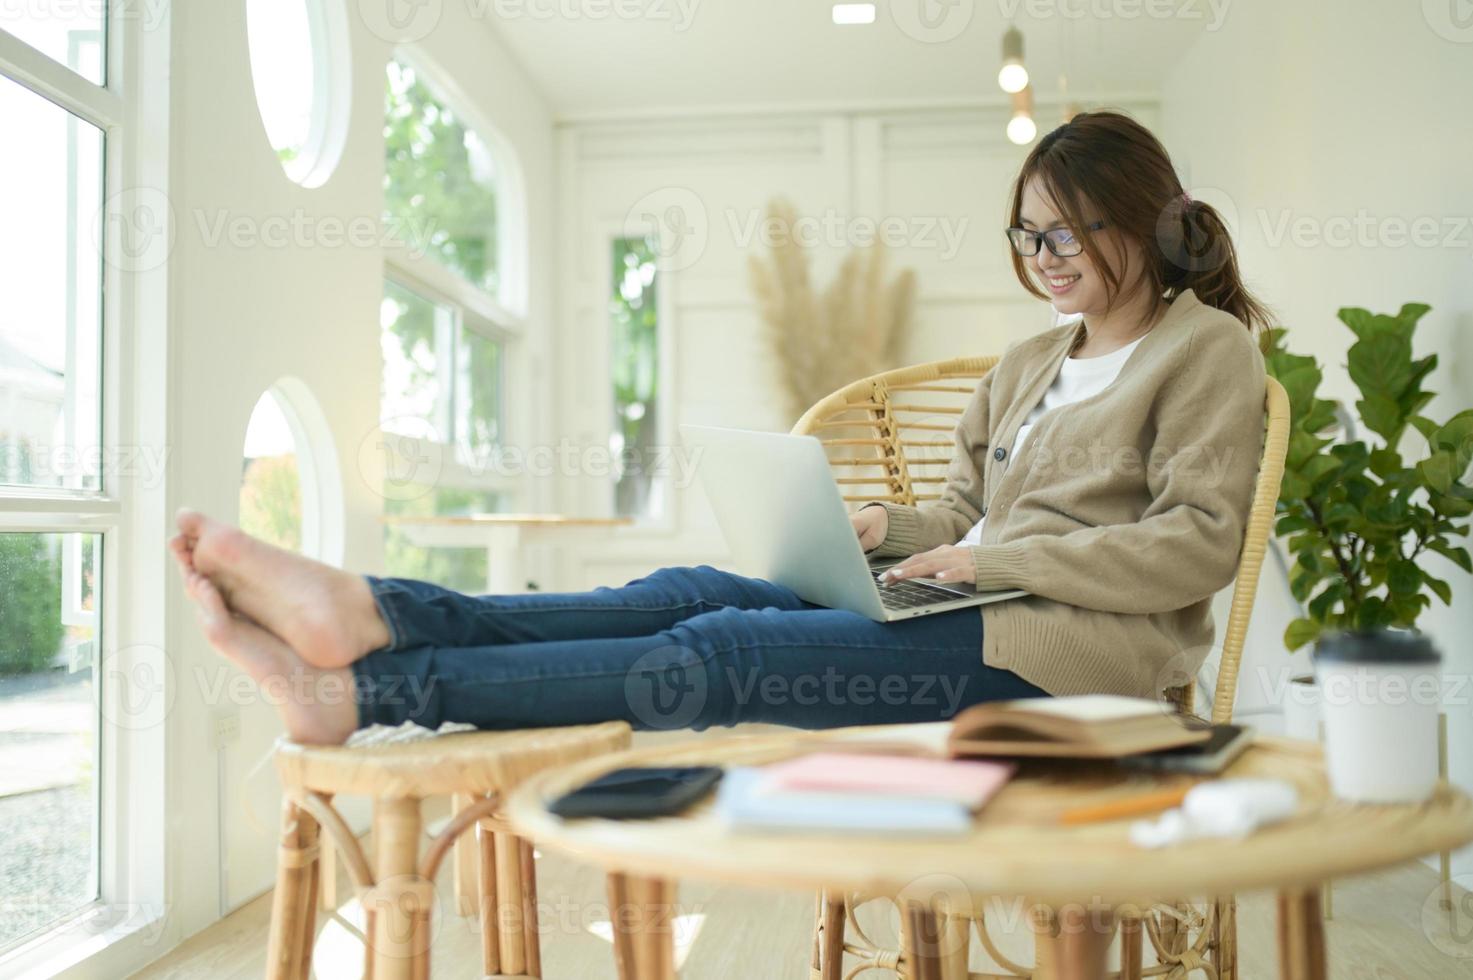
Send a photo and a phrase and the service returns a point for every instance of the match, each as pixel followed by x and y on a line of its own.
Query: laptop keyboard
pixel 909 594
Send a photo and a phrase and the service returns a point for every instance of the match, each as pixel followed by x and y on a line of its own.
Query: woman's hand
pixel 871 524
pixel 948 563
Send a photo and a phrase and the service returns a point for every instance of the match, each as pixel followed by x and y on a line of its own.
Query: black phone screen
pixel 638 792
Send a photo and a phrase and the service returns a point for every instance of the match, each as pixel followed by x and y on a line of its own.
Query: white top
pixel 1078 379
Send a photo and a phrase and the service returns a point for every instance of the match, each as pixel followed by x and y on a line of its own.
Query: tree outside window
pixel 634 365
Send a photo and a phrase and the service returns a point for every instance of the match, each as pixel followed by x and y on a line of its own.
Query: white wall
pixel 1302 118
pixel 944 173
pixel 244 317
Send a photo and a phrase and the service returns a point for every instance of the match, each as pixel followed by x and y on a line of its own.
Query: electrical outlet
pixel 227 727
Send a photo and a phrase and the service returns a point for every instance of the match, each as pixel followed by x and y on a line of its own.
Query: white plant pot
pixel 1380 695
pixel 1302 709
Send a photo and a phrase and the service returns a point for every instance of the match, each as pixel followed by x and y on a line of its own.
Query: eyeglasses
pixel 1060 241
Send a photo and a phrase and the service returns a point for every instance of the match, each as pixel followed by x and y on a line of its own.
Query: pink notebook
pixel 966 781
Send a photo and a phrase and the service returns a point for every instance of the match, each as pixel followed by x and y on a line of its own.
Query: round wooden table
pixel 1016 846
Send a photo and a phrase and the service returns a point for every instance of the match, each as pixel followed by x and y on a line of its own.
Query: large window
pixel 68 480
pixel 441 415
pixel 50 301
pixel 440 180
pixel 69 33
pixel 449 326
pixel 50 434
pixel 635 367
pixel 48 729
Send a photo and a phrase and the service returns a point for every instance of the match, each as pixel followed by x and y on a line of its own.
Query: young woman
pixel 1106 466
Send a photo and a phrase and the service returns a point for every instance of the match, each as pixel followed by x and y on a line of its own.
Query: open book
pixel 1093 726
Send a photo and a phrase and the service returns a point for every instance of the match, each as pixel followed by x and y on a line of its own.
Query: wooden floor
pixel 1376 933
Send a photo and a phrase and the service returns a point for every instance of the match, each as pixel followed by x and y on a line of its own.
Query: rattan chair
pixel 889 437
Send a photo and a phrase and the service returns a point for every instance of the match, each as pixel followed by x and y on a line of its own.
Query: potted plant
pixel 1355 516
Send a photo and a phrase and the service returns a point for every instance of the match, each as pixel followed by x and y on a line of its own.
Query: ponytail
pixel 1195 251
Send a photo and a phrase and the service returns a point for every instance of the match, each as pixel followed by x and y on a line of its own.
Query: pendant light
pixel 1021 127
pixel 1012 77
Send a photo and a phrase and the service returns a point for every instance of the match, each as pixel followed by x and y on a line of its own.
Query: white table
pixel 505 538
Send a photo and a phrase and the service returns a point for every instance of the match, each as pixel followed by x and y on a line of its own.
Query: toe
pixel 191 523
pixel 183 552
pixel 208 598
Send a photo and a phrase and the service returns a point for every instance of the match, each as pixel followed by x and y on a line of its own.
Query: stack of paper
pixel 860 792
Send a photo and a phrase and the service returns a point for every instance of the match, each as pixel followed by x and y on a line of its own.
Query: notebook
pixel 1091 726
pixel 968 782
pixel 741 805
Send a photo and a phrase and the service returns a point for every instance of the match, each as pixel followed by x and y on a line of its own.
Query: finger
pixel 947 566
pixel 912 568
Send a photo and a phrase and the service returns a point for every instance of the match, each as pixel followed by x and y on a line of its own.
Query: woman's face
pixel 1073 282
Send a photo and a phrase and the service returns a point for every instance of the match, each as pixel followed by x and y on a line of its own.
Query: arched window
pixel 451 318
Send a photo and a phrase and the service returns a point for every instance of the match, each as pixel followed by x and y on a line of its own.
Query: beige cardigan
pixel 1123 513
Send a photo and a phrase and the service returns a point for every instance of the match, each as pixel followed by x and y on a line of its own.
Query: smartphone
pixel 638 792
pixel 1226 743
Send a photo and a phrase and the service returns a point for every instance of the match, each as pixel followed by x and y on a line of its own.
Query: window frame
pixel 507 307
pixel 499 317
pixel 120 930
pixel 666 522
pixel 468 306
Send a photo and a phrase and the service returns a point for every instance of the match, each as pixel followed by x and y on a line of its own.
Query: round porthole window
pixel 299 65
pixel 290 488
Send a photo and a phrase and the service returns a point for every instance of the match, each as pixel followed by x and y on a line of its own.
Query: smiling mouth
pixel 1060 284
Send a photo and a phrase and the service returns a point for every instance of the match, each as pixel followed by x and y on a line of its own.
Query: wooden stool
pixel 396 888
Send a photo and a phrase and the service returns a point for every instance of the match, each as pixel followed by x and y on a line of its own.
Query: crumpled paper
pixel 1221 808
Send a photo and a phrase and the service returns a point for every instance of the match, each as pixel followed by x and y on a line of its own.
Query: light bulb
pixel 1021 129
pixel 854 13
pixel 1013 77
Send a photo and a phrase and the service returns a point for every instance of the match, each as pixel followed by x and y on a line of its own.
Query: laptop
pixel 783 518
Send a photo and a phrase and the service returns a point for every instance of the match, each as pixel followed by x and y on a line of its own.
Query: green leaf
pixel 1456 437
pixel 1452 506
pixel 1368 616
pixel 1407 608
pixel 1301 584
pixel 1411 404
pixel 1320 605
pixel 1381 414
pixel 1381 362
pixel 1356 319
pixel 1437 471
pixel 1290 523
pixel 1300 632
pixel 1303 447
pixel 1424 425
pixel 1443 590
pixel 1322 476
pixel 1458 556
pixel 1410 313
pixel 1404 577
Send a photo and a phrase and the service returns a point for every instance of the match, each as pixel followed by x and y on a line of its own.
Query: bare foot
pixel 326 615
pixel 316 705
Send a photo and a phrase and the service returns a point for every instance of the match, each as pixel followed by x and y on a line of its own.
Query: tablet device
pixel 1225 744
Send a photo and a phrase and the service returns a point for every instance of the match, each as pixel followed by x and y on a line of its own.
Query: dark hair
pixel 1111 162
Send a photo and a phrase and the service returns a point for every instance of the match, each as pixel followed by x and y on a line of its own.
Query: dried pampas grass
pixel 824 341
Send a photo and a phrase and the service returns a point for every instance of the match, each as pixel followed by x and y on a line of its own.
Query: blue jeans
pixel 680 648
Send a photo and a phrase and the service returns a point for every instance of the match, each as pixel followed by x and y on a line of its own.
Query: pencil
pixel 1131 806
